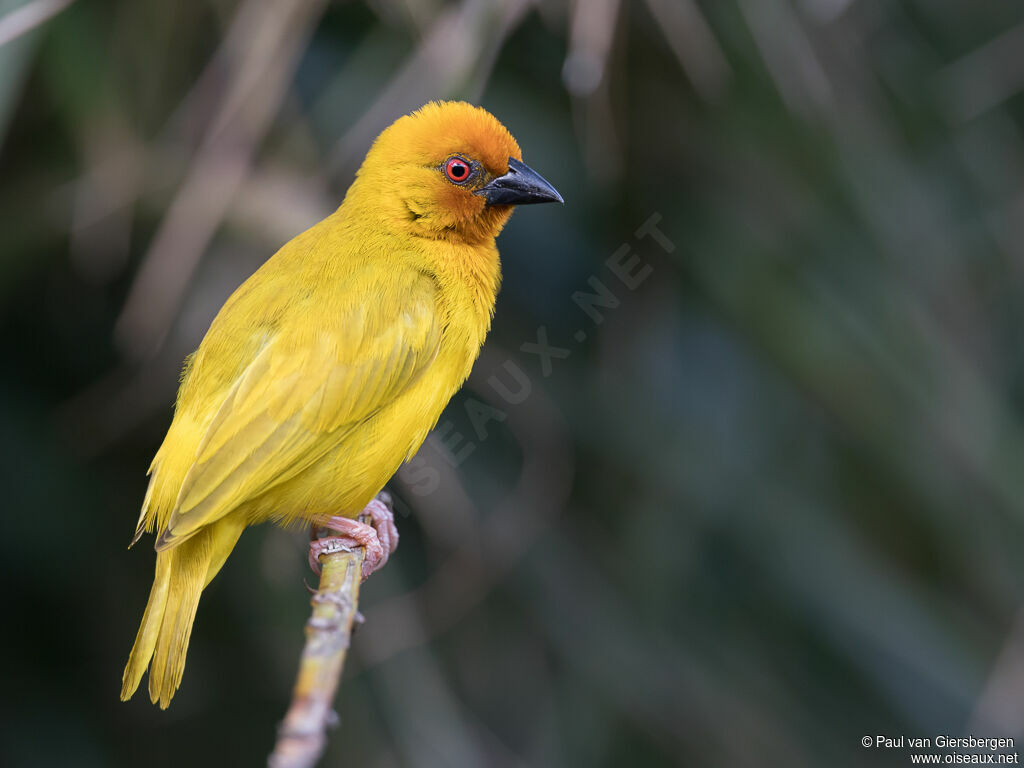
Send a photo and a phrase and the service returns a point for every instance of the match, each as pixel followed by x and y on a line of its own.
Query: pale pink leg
pixel 379 537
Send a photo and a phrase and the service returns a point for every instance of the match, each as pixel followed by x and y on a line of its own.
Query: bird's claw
pixel 379 537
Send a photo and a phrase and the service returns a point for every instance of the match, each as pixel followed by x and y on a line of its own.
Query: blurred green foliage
pixel 773 502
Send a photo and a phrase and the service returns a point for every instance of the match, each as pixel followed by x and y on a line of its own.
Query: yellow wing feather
pixel 300 396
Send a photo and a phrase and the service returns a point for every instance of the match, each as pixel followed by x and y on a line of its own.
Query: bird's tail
pixel 162 642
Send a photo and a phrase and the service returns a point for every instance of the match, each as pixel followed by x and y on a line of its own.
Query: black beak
pixel 520 186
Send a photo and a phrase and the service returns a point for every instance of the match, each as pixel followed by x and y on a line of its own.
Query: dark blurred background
pixel 772 502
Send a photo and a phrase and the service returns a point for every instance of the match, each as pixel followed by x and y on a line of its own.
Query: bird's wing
pixel 297 398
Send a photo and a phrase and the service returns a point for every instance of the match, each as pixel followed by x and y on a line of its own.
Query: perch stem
pixel 302 735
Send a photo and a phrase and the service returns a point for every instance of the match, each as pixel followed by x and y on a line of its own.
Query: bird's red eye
pixel 457 170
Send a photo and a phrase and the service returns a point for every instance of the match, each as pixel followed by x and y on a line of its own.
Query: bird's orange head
pixel 448 171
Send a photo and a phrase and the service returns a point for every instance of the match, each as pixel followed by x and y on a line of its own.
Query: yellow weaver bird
pixel 327 368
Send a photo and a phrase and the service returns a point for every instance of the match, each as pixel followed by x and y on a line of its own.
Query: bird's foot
pixel 379 537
